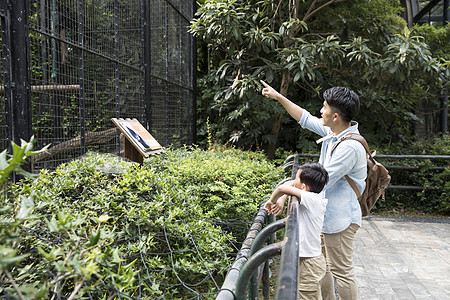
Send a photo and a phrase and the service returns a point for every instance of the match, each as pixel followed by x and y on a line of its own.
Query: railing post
pixel 252 264
pixel 265 233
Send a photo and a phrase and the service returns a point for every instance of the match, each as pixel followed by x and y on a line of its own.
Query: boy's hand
pixel 268 207
pixel 275 208
pixel 268 91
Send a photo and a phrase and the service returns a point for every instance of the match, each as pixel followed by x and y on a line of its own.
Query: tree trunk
pixel 276 122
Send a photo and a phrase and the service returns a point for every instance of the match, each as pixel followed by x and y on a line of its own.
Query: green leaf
pixel 93 240
pixel 26 207
pixel 8 261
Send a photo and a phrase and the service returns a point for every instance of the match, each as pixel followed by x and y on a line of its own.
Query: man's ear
pixel 336 116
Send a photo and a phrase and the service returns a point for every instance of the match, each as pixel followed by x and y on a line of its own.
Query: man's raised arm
pixel 293 109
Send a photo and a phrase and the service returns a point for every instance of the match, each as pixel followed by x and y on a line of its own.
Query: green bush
pixel 433 199
pixel 100 227
pixel 229 183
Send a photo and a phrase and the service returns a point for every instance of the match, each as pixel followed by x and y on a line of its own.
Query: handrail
pixel 252 264
pixel 228 291
pixel 258 243
pixel 287 284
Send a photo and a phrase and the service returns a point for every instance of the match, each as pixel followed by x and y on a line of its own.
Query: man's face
pixel 328 114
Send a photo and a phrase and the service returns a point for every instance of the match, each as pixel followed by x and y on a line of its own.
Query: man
pixel 343 213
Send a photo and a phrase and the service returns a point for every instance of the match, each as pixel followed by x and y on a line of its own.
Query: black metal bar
pixel 172 82
pixel 425 10
pixel 194 78
pixel 4 8
pixel 252 264
pixel 81 77
pixel 446 14
pixel 265 281
pixel 147 62
pixel 181 100
pixel 178 11
pixel 444 105
pixel 266 272
pixel 287 284
pixel 17 74
pixel 167 72
pixel 6 58
pixel 431 157
pixel 116 68
pixel 414 168
pixel 410 187
pixel 95 53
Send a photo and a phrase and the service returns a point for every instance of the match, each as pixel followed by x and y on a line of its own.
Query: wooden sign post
pixel 139 143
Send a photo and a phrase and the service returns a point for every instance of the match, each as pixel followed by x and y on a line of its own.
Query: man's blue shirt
pixel 349 158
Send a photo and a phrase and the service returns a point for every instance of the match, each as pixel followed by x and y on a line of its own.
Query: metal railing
pixel 251 264
pixel 251 268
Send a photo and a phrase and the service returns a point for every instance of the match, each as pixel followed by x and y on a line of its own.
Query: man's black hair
pixel 344 100
pixel 314 175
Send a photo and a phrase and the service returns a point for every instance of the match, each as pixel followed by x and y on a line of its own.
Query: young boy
pixel 308 183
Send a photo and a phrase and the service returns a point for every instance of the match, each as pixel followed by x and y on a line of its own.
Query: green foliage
pixel 12 163
pixel 228 183
pixel 433 200
pixel 437 38
pixel 364 45
pixel 100 227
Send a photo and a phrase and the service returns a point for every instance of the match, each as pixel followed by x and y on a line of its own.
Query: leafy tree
pixel 303 48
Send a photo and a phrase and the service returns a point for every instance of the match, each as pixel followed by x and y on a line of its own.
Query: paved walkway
pixel 403 259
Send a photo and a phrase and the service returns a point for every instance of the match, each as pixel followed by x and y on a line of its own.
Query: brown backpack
pixel 377 179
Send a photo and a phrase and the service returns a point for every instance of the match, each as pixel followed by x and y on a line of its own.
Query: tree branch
pixel 13 283
pixel 311 7
pixel 76 289
pixel 308 16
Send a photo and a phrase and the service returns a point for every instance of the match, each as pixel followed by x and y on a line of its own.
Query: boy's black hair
pixel 344 100
pixel 314 175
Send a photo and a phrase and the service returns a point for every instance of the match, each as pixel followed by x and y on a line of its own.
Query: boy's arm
pixel 293 109
pixel 276 202
pixel 285 189
pixel 276 208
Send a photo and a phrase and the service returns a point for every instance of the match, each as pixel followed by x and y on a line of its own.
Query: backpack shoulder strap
pixel 356 137
pixel 362 140
pixel 359 138
pixel 353 185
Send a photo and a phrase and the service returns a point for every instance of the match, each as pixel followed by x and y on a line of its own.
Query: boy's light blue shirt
pixel 349 158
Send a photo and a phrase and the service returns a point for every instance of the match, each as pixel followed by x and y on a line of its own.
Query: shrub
pixel 100 227
pixel 434 200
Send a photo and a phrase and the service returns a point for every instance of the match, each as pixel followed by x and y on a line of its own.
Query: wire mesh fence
pixel 90 61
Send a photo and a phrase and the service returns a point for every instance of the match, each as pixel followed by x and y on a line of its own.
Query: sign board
pixel 139 142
